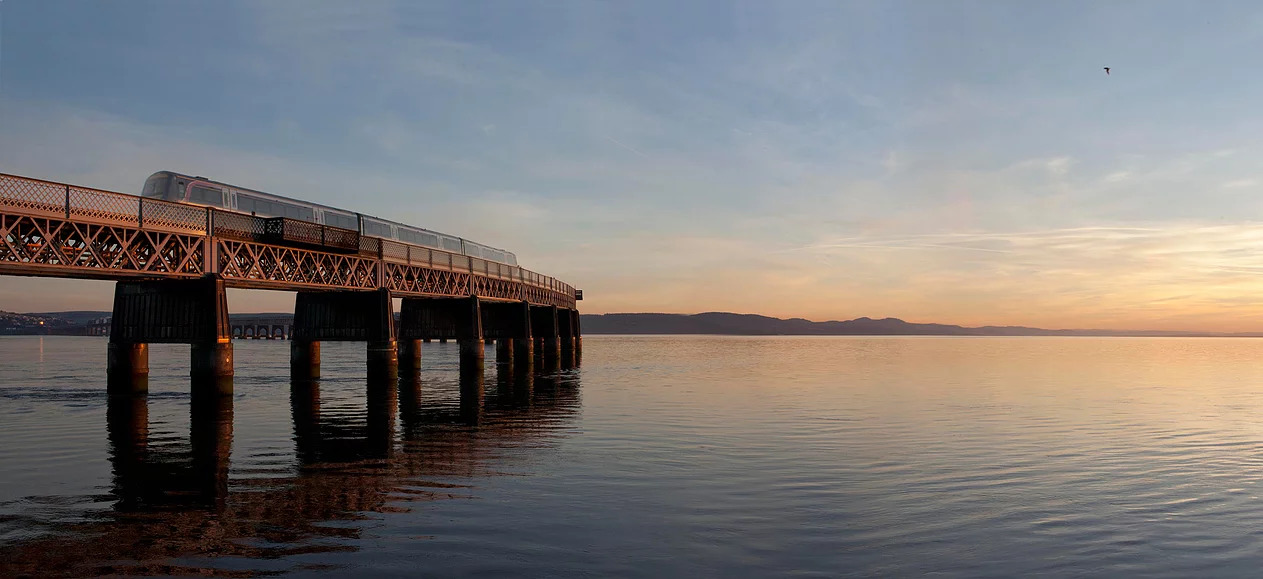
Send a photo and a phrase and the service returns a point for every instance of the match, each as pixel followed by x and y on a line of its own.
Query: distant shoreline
pixel 704 324
pixel 723 323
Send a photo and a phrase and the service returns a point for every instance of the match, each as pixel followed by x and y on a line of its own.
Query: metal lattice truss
pixel 543 296
pixel 57 247
pixel 57 230
pixel 245 264
pixel 420 280
pixel 497 288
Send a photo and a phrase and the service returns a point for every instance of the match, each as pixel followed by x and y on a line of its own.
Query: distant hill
pixel 32 324
pixel 75 317
pixel 756 325
pixel 719 323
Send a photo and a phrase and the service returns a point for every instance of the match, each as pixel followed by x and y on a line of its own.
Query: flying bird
pixel 1107 71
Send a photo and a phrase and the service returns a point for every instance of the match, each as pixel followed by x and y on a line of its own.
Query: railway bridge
pixel 173 261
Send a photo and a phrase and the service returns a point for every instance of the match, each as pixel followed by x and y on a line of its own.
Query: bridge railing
pixel 37 197
pixel 46 198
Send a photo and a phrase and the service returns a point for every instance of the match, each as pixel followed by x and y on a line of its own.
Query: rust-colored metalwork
pixel 57 230
pixel 296 232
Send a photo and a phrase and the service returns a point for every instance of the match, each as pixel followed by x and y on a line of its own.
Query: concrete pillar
pixel 352 315
pixel 544 328
pixel 127 368
pixel 552 349
pixel 523 353
pixel 409 356
pixel 211 368
pixel 173 311
pixel 211 359
pixel 523 343
pixel 504 351
pixel 566 334
pixel 304 360
pixel 383 360
pixel 578 336
pixel 473 351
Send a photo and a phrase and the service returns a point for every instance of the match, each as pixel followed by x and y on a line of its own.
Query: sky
pixel 955 162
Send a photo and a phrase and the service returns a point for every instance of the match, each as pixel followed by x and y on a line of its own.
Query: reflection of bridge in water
pixel 177 501
pixel 173 263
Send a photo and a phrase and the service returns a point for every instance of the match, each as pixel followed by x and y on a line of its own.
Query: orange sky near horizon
pixel 958 163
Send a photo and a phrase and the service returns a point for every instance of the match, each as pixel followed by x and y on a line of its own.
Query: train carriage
pixel 171 186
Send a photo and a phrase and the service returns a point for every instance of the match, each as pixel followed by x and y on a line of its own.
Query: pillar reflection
pixel 191 472
pixel 471 393
pixel 304 400
pixel 210 436
pixel 383 400
pixel 323 435
pixel 127 427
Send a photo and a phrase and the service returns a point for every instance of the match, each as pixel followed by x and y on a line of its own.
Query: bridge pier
pixel 566 337
pixel 577 337
pixel 510 325
pixel 409 356
pixel 127 367
pixel 179 311
pixel 211 359
pixel 304 359
pixel 504 351
pixel 443 318
pixel 547 337
pixel 355 316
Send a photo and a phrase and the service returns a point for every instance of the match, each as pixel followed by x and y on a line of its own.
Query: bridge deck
pixel 50 229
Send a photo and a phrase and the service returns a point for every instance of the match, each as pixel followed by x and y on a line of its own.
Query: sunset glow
pixel 961 163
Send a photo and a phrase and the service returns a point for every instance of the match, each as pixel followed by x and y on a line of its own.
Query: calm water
pixel 698 456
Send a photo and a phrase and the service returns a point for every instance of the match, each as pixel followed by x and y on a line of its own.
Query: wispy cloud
pixel 831 161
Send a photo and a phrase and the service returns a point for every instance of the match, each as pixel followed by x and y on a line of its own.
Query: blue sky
pixel 961 162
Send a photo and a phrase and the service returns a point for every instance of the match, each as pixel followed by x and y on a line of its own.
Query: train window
pixel 418 237
pixel 155 186
pixel 339 220
pixel 206 196
pixel 451 244
pixel 254 205
pixel 510 259
pixel 409 235
pixel 377 229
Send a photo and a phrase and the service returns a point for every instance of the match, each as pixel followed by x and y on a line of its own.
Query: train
pixel 172 186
